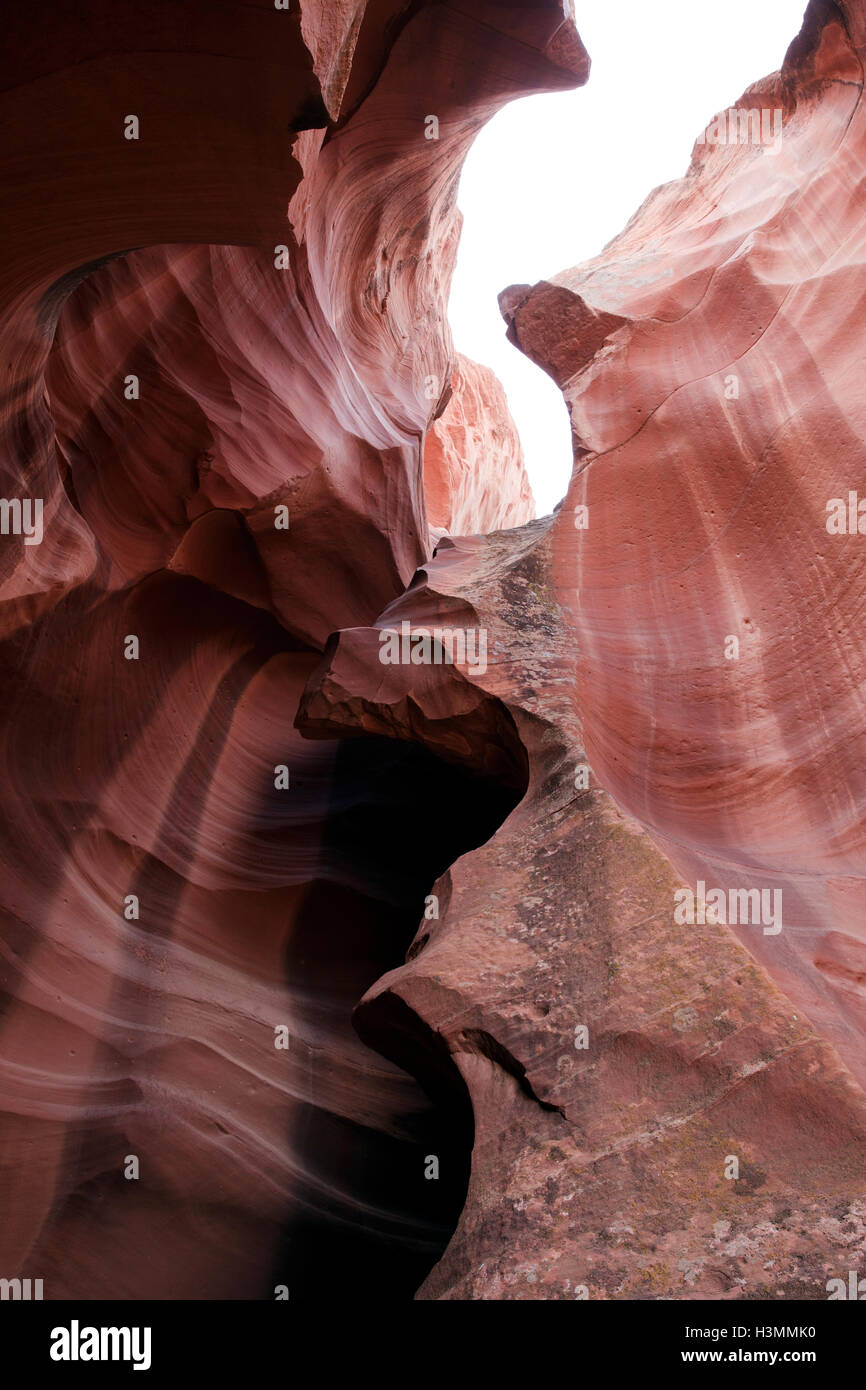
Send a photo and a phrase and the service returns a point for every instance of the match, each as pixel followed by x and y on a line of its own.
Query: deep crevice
pixel 364 1214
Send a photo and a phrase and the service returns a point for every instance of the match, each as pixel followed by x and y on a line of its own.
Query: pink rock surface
pixel 271 261
pixel 257 823
pixel 474 475
pixel 601 1166
pixel 710 359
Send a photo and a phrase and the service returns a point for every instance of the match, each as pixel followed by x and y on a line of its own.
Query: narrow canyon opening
pixel 364 1214
pixel 552 178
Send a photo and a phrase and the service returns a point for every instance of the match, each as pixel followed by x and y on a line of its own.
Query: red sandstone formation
pixel 227 370
pixel 226 428
pixel 707 358
pixel 474 479
pixel 710 361
pixel 601 1163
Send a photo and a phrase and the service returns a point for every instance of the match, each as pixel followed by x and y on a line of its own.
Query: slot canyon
pixel 325 956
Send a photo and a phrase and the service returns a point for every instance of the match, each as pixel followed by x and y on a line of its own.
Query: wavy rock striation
pixel 710 361
pixel 218 353
pixel 663 1109
pixel 231 799
pixel 616 1063
pixel 474 478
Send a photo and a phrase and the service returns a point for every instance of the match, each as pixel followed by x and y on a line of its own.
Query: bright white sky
pixel 552 179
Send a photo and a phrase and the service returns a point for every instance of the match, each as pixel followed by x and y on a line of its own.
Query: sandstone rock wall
pixel 218 341
pixel 446 889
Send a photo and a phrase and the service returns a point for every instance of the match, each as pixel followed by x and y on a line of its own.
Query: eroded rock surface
pixel 709 359
pixel 602 1158
pixel 226 366
pixel 474 476
pixel 218 342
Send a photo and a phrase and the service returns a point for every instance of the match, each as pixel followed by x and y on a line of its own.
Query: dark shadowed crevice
pixel 483 1044
pixel 363 1213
